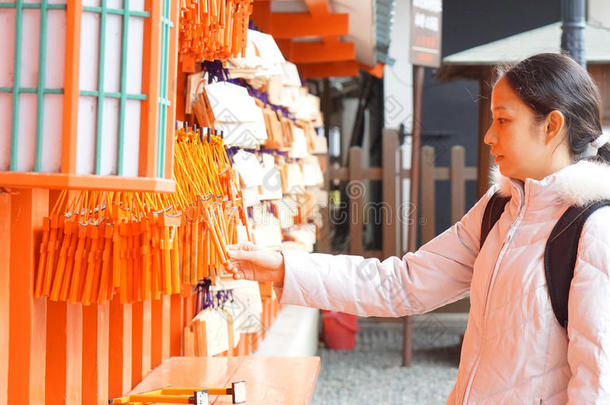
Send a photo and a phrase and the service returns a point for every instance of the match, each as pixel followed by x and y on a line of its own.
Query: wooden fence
pixel 391 175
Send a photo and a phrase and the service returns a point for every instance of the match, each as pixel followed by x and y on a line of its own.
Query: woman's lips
pixel 498 158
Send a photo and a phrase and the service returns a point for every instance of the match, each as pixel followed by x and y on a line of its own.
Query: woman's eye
pixel 501 120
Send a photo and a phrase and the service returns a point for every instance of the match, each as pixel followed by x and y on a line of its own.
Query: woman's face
pixel 516 139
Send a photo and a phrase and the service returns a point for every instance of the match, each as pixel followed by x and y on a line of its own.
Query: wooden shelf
pixel 64 181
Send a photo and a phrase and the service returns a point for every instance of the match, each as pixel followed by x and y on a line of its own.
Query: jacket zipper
pixel 507 240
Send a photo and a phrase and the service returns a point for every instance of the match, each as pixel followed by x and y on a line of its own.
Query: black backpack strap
pixel 493 211
pixel 560 255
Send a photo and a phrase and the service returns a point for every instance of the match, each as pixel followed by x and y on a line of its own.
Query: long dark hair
pixel 551 81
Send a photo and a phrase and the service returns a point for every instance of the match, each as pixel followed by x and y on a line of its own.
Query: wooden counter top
pixel 269 380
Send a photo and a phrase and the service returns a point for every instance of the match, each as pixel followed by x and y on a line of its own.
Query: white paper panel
pixel 132 138
pixel 136 5
pixel 95 3
pixel 112 63
pixel 7 50
pixel 27 132
pixel 134 55
pixel 56 49
pixel 29 48
pixel 32 1
pixel 57 1
pixel 90 32
pixel 5 130
pixel 109 136
pixel 52 131
pixel 114 3
pixel 85 141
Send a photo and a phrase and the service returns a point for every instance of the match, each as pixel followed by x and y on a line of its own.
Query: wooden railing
pixel 391 175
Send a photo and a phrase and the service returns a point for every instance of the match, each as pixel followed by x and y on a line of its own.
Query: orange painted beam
pixel 294 25
pixel 376 70
pixel 317 7
pixel 151 65
pixel 5 243
pixel 330 69
pixel 71 83
pixel 85 181
pixel 119 353
pixel 261 14
pixel 316 52
pixel 172 91
pixel 27 315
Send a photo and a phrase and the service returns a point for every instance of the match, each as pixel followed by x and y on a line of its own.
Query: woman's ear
pixel 553 125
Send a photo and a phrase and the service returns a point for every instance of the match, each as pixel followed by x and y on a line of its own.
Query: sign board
pixel 426 29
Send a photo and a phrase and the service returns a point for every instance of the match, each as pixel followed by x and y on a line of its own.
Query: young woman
pixel 548 143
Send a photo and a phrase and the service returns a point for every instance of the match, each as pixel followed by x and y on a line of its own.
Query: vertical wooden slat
pixel 103 346
pixel 458 184
pixel 151 60
pixel 156 346
pixel 57 327
pixel 27 318
pixel 484 159
pixel 172 90
pixel 165 344
pixel 119 356
pixel 71 91
pixel 355 190
pixel 390 211
pixel 146 336
pixel 74 354
pixel 137 322
pixel 428 193
pixel 5 242
pixel 175 337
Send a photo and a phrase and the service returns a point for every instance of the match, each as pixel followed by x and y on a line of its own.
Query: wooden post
pixel 95 354
pixel 323 243
pixel 390 212
pixel 355 192
pixel 27 315
pixel 458 183
pixel 428 194
pixel 418 87
pixel 484 121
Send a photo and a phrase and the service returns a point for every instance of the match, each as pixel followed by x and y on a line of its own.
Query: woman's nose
pixel 489 137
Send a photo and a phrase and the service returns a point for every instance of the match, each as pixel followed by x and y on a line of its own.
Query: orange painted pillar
pixel 27 315
pixel 119 353
pixel 95 354
pixel 5 248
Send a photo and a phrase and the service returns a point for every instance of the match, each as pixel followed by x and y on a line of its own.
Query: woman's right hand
pixel 248 261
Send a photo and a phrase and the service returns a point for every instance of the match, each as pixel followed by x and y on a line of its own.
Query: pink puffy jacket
pixel 514 350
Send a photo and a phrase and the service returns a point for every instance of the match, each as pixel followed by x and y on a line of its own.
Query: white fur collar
pixel 578 184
